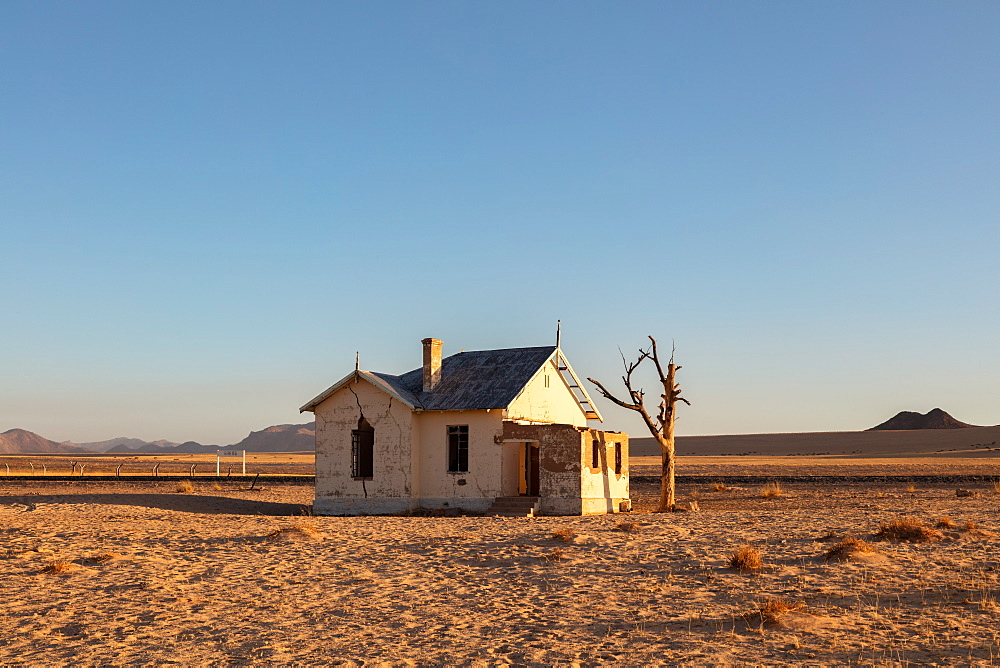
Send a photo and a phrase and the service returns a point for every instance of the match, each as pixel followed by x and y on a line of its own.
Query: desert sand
pixel 115 573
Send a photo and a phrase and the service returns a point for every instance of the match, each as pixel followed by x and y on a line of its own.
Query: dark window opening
pixel 595 454
pixel 363 450
pixel 618 458
pixel 458 448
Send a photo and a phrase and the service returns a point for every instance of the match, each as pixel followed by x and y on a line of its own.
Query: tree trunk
pixel 667 498
pixel 668 501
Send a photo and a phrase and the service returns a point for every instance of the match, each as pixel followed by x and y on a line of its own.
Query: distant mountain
pixel 133 444
pixel 161 447
pixel 280 438
pixel 933 419
pixel 20 441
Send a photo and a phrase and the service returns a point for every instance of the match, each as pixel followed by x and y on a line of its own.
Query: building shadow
pixel 185 503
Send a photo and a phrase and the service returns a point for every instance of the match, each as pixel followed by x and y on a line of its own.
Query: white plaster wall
pixel 335 418
pixel 601 489
pixel 486 455
pixel 556 403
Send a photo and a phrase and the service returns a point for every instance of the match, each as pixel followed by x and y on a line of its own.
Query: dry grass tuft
pixel 970 526
pixel 103 558
pixel 296 532
pixel 996 487
pixel 60 566
pixel 848 546
pixel 989 604
pixel 772 609
pixel 746 558
pixel 629 526
pixel 945 523
pixel 911 489
pixel 908 529
pixel 565 535
pixel 557 554
pixel 771 490
pixel 185 487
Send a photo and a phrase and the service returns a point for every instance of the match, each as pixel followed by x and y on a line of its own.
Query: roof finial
pixel 357 364
pixel 558 332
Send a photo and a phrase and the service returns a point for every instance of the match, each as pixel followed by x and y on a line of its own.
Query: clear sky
pixel 206 208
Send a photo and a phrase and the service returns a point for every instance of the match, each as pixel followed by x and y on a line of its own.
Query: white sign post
pixel 230 453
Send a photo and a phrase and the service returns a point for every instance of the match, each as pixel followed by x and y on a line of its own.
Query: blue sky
pixel 207 208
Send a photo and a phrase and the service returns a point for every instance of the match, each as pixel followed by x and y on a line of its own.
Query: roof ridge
pixel 500 350
pixel 471 380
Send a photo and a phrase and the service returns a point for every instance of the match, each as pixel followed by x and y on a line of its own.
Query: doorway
pixel 530 468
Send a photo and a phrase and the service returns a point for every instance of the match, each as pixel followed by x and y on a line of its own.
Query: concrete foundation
pixel 330 506
pixel 354 506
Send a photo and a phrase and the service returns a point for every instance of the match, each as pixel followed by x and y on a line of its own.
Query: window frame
pixel 458 448
pixel 363 437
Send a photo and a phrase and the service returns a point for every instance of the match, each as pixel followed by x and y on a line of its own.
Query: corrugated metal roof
pixel 474 380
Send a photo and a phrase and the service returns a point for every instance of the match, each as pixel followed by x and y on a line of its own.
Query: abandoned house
pixel 502 431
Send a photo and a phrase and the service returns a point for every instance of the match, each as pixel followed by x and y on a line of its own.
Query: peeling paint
pixel 411 454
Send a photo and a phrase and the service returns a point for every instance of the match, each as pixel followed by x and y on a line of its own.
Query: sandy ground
pixel 163 577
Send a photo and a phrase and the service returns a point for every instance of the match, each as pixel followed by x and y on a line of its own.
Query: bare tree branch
pixel 607 395
pixel 656 359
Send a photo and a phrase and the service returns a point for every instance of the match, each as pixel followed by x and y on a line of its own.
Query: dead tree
pixel 662 428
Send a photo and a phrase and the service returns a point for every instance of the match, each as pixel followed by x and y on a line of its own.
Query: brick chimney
pixel 432 363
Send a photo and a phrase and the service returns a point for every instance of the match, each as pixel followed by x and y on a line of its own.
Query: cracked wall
pixel 336 417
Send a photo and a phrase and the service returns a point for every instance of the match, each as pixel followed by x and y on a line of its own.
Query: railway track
pixel 273 479
pixel 270 479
